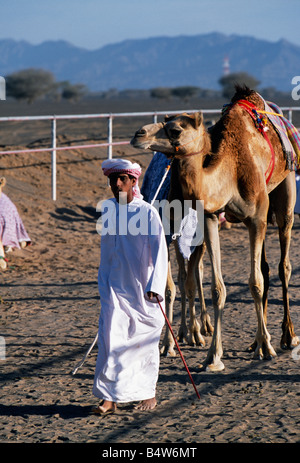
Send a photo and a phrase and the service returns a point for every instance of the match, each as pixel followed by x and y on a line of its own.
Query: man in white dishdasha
pixel 132 274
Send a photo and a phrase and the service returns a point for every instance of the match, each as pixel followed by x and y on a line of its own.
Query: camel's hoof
pixel 262 353
pixel 212 367
pixel 196 340
pixel 196 344
pixel 201 343
pixel 206 328
pixel 206 332
pixel 264 357
pixel 269 357
pixel 183 334
pixel 252 347
pixel 168 352
pixel 182 339
pixel 284 346
pixel 216 367
pixel 294 342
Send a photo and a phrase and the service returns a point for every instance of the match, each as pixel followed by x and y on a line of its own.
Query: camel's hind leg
pixel 257 229
pixel 205 323
pixel 188 281
pixel 283 202
pixel 266 277
pixel 168 341
pixel 183 329
pixel 195 336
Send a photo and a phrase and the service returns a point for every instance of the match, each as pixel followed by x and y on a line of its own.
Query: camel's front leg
pixel 168 341
pixel 195 336
pixel 257 230
pixel 183 329
pixel 213 360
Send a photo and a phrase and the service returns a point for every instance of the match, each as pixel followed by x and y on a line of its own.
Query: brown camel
pixel 234 169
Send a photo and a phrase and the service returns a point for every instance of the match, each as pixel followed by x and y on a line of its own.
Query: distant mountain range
pixel 158 62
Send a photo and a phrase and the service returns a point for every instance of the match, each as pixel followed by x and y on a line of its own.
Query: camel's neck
pixel 203 176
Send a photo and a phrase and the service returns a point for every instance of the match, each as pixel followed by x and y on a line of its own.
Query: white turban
pixel 115 166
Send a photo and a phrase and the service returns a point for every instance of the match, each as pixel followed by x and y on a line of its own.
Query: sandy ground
pixel 49 317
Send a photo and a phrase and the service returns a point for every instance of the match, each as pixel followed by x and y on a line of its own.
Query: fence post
pixel 109 137
pixel 53 159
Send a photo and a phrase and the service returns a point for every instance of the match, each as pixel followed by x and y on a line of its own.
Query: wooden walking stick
pixel 178 348
pixel 86 355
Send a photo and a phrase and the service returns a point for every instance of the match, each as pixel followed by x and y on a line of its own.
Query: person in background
pixel 12 230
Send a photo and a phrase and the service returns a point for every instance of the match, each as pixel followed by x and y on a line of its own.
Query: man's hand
pixel 151 295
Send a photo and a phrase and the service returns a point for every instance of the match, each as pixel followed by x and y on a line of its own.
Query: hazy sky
pixel 94 23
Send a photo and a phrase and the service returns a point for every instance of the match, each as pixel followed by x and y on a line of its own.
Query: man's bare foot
pixel 148 404
pixel 106 406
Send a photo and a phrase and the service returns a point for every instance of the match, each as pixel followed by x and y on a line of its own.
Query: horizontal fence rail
pixel 110 143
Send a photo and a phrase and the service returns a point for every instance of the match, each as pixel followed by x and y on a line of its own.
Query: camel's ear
pixel 169 118
pixel 198 119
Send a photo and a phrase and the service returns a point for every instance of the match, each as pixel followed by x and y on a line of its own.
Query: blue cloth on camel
pixel 153 177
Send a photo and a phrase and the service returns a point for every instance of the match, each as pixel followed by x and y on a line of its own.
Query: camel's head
pixel 178 135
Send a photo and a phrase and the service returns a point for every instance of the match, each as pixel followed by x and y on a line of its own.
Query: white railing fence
pixel 109 117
